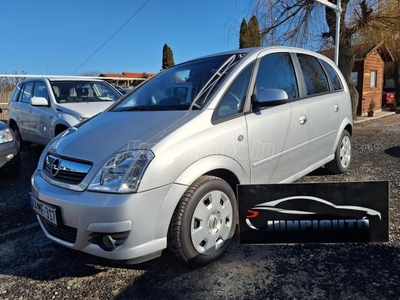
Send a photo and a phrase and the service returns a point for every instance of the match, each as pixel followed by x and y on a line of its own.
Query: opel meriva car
pixel 159 168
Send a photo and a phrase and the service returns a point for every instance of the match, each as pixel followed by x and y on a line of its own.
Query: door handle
pixel 303 120
pixel 336 108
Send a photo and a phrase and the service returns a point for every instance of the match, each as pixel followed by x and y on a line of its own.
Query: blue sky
pixel 55 37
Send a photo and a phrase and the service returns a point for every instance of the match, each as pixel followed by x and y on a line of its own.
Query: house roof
pixel 361 52
pixel 126 75
pixel 136 75
pixel 112 75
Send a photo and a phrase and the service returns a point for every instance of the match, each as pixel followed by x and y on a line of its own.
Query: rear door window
pixel 26 94
pixel 314 76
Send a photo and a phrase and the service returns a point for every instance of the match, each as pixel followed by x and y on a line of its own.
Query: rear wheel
pixel 204 221
pixel 341 162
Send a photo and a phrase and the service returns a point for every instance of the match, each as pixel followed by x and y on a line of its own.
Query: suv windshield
pixel 83 91
pixel 180 87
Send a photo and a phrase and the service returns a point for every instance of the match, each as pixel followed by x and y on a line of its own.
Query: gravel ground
pixel 32 267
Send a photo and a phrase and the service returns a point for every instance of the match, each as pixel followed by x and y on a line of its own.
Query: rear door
pixel 26 119
pixel 324 108
pixel 278 136
pixel 42 115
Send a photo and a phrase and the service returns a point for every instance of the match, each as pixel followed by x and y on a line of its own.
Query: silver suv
pixel 159 168
pixel 41 108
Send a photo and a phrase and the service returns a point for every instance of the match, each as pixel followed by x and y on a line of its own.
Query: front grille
pixel 65 170
pixel 60 231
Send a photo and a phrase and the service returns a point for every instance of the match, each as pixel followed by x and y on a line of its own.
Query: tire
pixel 23 146
pixel 204 221
pixel 341 163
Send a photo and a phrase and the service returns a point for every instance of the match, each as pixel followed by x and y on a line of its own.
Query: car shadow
pixel 393 151
pixel 268 271
pixel 43 260
pixel 320 172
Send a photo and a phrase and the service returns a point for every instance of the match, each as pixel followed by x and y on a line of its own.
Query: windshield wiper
pixel 207 88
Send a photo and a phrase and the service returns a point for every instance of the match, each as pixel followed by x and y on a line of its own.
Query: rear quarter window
pixel 16 92
pixel 333 75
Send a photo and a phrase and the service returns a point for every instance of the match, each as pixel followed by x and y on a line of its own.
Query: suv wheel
pixel 22 144
pixel 204 221
pixel 341 162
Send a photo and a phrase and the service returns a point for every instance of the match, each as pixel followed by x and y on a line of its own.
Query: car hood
pixel 101 137
pixel 84 109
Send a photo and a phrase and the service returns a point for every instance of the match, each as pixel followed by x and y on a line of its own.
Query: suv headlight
pixel 5 136
pixel 122 173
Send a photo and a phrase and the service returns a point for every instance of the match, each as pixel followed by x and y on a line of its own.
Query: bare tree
pixel 309 24
pixel 7 84
pixel 386 29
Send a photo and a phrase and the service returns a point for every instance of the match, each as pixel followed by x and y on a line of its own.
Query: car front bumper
pixel 140 220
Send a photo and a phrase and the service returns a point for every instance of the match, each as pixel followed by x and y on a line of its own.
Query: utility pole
pixel 338 10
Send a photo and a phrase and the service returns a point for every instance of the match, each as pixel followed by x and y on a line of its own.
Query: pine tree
pixel 244 33
pixel 168 57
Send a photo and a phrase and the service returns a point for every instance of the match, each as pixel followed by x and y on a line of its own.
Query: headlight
pixel 6 136
pixel 122 173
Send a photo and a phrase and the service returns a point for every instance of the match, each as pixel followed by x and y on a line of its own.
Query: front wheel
pixel 204 221
pixel 341 163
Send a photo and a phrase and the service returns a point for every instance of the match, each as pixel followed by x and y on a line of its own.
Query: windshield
pixel 182 87
pixel 83 91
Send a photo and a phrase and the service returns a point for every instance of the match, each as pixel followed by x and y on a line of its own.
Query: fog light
pixel 107 243
pixel 10 157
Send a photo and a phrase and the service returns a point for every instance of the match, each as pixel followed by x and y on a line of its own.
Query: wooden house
pixel 126 79
pixel 368 74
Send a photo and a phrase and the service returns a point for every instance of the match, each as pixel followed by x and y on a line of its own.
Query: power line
pixel 119 29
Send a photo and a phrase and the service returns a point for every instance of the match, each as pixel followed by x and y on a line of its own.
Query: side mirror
pixel 271 97
pixel 39 101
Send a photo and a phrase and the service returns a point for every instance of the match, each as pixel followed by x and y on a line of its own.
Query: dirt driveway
pixel 32 267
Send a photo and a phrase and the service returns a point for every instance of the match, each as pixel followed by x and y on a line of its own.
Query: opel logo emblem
pixel 55 167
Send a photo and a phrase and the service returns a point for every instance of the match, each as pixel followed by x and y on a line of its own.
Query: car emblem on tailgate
pixel 55 167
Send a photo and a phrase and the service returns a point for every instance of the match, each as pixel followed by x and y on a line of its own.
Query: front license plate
pixel 46 211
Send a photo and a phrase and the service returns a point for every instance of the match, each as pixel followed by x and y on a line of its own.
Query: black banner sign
pixel 314 212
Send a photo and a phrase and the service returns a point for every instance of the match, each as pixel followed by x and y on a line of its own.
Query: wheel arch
pixel 345 125
pixel 60 127
pixel 219 166
pixel 12 122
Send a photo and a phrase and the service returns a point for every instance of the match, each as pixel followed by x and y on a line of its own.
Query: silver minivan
pixel 160 167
